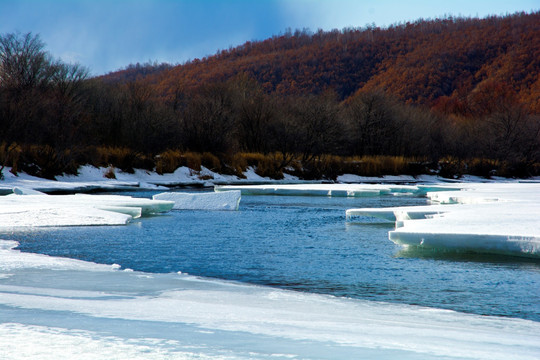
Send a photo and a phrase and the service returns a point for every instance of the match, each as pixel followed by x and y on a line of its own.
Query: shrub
pixel 234 165
pixel 482 167
pixel 170 160
pixel 9 156
pixel 109 174
pixel 451 167
pixel 326 166
pixel 265 165
pixel 44 161
pixel 211 162
pixel 269 166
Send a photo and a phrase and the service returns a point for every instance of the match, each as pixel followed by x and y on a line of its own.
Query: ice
pixel 74 210
pixel 393 214
pixel 47 214
pixel 499 218
pixel 25 191
pixel 226 200
pixel 338 190
pixel 75 309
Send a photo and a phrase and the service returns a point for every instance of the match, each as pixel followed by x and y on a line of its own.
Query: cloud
pixel 331 14
pixel 108 35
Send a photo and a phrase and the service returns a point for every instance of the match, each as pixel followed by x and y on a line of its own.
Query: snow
pixel 75 309
pixel 90 178
pixel 497 218
pixel 227 200
pixel 74 210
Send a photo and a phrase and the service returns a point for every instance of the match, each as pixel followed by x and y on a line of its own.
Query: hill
pixel 420 62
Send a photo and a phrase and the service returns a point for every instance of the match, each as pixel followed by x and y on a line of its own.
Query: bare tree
pixel 375 124
pixel 24 64
pixel 253 111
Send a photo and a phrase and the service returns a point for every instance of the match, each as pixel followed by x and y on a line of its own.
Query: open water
pixel 304 244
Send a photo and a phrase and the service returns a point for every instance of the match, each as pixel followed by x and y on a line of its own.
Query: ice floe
pixel 70 308
pixel 498 218
pixel 226 200
pixel 338 190
pixel 35 209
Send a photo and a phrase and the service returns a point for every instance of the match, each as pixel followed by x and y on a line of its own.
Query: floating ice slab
pixel 226 200
pixel 505 228
pixel 71 308
pixel 26 215
pixel 492 218
pixel 74 210
pixel 399 213
pixel 338 190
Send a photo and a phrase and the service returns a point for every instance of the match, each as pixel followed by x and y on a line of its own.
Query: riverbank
pixel 91 179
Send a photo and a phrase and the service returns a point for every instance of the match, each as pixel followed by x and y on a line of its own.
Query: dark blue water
pixel 304 244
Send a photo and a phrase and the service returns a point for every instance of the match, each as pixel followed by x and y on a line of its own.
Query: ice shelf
pixel 34 209
pixel 226 200
pixel 493 218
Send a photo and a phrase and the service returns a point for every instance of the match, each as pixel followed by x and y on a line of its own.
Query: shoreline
pixel 93 180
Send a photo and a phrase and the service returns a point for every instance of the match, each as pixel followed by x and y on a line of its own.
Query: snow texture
pixel 227 200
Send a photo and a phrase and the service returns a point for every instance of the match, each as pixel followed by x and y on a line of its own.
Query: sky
pixel 107 35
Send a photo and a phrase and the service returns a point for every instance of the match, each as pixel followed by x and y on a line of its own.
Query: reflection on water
pixel 466 256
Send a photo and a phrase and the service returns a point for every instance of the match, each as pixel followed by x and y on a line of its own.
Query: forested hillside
pixel 418 62
pixel 450 95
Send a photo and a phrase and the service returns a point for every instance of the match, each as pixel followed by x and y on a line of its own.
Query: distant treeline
pixel 54 118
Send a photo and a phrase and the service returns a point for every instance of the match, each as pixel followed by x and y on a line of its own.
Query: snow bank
pixel 226 200
pixel 75 308
pixel 90 178
pixel 493 218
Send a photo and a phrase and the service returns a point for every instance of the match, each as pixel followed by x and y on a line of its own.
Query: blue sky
pixel 107 35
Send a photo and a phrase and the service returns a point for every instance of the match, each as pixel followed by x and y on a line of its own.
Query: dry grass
pixel 211 162
pixel 109 174
pixel 122 158
pixel 44 161
pixel 170 160
pixel 9 156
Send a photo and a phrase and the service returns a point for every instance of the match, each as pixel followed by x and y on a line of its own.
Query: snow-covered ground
pixel 91 178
